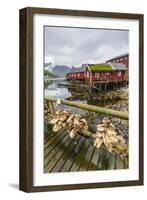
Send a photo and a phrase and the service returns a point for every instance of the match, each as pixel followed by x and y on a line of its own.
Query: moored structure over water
pixel 98 72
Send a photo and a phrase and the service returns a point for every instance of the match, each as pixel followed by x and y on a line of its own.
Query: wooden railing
pixel 92 108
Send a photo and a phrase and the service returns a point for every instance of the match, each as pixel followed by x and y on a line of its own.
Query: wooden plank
pixel 94 160
pixel 53 162
pixel 111 161
pixel 54 142
pixel 55 135
pixel 85 164
pixel 47 130
pixel 126 162
pixel 55 150
pixel 66 155
pixel 102 164
pixel 80 156
pixel 50 140
pixel 68 164
pixel 119 163
pixel 47 139
pixel 46 134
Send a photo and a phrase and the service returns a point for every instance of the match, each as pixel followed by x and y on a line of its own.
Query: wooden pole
pixel 50 107
pixel 53 107
pixel 97 109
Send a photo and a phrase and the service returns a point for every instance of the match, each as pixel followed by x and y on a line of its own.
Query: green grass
pixel 101 67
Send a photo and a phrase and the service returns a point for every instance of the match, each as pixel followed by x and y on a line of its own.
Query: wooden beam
pixel 92 108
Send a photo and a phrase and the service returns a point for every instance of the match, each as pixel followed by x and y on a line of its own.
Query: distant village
pixel 113 70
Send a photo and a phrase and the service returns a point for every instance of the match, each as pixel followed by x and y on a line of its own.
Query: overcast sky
pixel 75 46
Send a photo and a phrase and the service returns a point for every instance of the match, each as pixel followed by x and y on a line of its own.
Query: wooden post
pixel 50 107
pixel 53 107
pixel 90 89
pixel 105 87
pixel 100 87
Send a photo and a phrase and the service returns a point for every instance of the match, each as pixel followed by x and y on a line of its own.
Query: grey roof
pixel 118 66
pixel 115 66
pixel 77 69
pixel 122 55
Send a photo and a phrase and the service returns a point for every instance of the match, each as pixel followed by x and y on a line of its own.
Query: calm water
pixel 77 94
pixel 59 92
pixel 56 91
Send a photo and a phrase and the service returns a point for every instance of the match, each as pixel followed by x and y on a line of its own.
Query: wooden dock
pixel 63 154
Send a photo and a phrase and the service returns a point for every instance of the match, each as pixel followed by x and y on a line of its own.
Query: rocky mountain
pixel 60 70
pixel 49 74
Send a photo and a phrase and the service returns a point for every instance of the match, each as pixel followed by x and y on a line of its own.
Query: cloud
pixel 74 46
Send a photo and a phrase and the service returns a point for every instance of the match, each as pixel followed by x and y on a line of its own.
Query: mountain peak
pixel 60 70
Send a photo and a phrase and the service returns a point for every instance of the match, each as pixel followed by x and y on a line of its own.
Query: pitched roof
pixel 118 66
pixel 77 69
pixel 119 56
pixel 107 67
pixel 100 67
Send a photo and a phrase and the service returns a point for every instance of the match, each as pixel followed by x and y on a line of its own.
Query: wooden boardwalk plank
pixel 119 163
pixel 80 156
pixel 126 162
pixel 55 159
pixel 67 165
pixel 85 164
pixel 63 154
pixel 66 155
pixel 53 135
pixel 48 137
pixel 102 164
pixel 94 160
pixel 47 129
pixel 54 150
pixel 51 138
pixel 53 142
pixel 111 161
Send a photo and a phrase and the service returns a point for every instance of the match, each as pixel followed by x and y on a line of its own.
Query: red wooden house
pixel 77 73
pixel 106 72
pixel 124 58
pixel 98 72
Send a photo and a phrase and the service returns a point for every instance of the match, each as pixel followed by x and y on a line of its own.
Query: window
pixel 78 74
pixel 97 75
pixel 119 73
pixel 121 59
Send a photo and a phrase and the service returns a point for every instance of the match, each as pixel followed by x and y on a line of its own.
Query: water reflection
pixel 54 91
pixel 78 94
